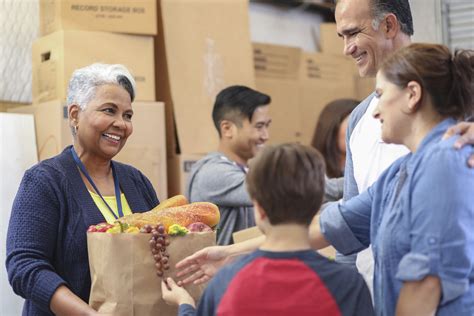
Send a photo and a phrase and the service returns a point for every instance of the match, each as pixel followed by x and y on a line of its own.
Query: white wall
pixel 427 21
pixel 285 25
pixel 19 23
pixel 17 153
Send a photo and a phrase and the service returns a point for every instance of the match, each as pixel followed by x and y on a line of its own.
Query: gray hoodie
pixel 219 180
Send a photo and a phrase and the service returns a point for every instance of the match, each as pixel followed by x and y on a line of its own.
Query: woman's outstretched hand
pixel 201 266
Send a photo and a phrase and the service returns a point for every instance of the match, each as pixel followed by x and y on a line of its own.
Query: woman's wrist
pixel 244 247
pixel 65 302
pixel 229 250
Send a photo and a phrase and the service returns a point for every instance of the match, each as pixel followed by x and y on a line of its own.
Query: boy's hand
pixel 466 130
pixel 174 294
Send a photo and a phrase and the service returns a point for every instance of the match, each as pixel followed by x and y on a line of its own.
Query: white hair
pixel 376 22
pixel 85 81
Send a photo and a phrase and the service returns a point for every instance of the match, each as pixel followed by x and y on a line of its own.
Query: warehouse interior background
pixel 288 23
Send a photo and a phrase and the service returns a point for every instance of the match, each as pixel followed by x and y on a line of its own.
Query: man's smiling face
pixel 366 45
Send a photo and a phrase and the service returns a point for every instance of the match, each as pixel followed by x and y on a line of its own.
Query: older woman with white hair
pixel 61 197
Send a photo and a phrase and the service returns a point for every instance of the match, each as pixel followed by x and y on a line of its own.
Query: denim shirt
pixel 419 218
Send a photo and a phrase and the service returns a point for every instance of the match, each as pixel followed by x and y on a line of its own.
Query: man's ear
pixel 73 114
pixel 415 94
pixel 391 26
pixel 227 128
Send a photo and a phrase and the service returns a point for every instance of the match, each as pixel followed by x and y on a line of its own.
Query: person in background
pixel 418 215
pixel 241 117
pixel 330 135
pixel 59 198
pixel 284 276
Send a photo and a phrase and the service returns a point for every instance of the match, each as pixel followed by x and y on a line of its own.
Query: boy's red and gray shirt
pixel 284 283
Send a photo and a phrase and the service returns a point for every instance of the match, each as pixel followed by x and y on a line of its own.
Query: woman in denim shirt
pixel 419 215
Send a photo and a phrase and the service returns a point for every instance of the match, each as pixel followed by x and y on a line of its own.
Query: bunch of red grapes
pixel 159 240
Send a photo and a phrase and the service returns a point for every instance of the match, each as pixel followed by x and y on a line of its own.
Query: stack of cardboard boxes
pixel 76 33
pixel 183 53
pixel 202 47
pixel 302 83
pixel 277 71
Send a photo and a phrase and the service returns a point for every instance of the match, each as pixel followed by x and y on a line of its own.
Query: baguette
pixel 177 200
pixel 174 201
pixel 184 215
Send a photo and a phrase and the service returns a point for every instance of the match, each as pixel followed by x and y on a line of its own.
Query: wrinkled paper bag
pixel 123 273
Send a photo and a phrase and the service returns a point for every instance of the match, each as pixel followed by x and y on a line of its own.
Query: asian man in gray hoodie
pixel 242 119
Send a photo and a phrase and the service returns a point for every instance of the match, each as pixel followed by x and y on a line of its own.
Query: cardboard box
pixel 301 84
pixel 246 234
pixel 6 106
pixel 145 149
pixel 329 42
pixel 136 17
pixel 203 47
pixel 51 124
pixel 57 55
pixel 276 61
pixel 277 74
pixel 323 78
pixel 254 232
pixel 179 168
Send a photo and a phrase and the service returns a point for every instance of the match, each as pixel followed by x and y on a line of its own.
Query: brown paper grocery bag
pixel 123 274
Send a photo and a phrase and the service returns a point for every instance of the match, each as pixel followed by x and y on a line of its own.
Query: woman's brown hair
pixel 447 78
pixel 326 134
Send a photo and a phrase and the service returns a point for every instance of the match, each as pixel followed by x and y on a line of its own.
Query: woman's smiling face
pixel 106 123
pixel 391 110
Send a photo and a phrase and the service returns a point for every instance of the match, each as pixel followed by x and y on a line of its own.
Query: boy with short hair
pixel 284 276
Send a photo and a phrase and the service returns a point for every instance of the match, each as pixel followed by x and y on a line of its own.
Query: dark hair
pixel 127 85
pixel 400 8
pixel 288 182
pixel 447 78
pixel 326 134
pixel 236 103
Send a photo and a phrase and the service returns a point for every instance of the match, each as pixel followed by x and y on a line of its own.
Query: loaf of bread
pixel 184 215
pixel 174 201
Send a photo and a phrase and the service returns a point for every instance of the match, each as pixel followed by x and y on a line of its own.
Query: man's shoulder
pixel 444 153
pixel 214 163
pixel 360 110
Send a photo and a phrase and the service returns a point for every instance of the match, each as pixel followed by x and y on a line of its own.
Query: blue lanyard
pixel 116 184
